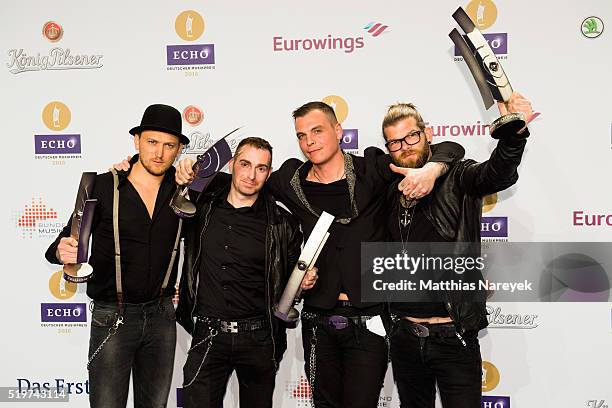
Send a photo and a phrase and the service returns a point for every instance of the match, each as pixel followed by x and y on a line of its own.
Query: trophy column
pixel 80 230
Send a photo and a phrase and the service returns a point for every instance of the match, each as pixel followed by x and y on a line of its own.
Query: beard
pixel 154 171
pixel 406 159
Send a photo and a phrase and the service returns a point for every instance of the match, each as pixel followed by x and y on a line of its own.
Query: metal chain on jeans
pixel 394 321
pixel 111 333
pixel 274 354
pixel 212 334
pixel 388 341
pixel 313 364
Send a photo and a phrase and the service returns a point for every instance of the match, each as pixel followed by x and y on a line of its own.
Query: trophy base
pixel 507 124
pixel 291 316
pixel 78 273
pixel 183 208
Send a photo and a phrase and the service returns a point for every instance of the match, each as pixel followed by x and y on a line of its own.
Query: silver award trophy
pixel 80 229
pixel 284 310
pixel 488 73
pixel 206 167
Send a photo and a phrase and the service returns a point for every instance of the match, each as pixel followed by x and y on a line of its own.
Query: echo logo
pixel 63 312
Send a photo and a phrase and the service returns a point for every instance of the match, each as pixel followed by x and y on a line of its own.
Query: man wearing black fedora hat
pixel 135 240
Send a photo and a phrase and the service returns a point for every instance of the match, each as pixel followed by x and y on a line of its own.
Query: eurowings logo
pixel 460 129
pixel 346 43
pixel 375 29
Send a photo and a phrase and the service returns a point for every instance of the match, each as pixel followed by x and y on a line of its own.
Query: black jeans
pixel 419 362
pixel 350 365
pixel 251 354
pixel 143 345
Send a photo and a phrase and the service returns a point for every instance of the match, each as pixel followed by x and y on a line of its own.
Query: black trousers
pixel 249 353
pixel 420 362
pixel 350 365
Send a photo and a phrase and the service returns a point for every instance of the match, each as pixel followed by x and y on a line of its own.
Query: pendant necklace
pixel 405 215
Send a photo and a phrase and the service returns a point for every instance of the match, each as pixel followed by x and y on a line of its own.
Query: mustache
pixel 420 157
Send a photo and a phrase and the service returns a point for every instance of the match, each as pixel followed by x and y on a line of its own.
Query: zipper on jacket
pixel 449 309
pixel 197 276
pixel 461 339
pixel 268 297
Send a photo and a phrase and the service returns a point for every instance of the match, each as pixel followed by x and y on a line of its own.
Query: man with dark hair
pixel 437 342
pixel 345 351
pixel 133 325
pixel 344 345
pixel 239 251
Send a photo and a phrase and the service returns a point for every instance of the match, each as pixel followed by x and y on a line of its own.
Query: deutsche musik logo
pixel 37 219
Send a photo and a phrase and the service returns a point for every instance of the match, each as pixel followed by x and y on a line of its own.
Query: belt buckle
pixel 344 303
pixel 308 316
pixel 419 330
pixel 338 322
pixel 229 327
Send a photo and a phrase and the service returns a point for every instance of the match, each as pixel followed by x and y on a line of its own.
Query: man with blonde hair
pixel 135 237
pixel 437 342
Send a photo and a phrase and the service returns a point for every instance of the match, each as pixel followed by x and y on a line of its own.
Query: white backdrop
pixel 558 357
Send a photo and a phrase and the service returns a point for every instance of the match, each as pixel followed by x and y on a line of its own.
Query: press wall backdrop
pixel 76 76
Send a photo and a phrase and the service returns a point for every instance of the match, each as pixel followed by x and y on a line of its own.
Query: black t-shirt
pixel 339 263
pixel 332 198
pixel 410 224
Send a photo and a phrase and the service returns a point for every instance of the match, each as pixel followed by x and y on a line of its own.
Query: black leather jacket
pixel 283 245
pixel 454 207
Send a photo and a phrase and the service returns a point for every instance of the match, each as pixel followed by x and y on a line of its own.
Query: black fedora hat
pixel 162 118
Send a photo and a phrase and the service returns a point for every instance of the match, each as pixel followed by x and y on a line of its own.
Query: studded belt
pixel 336 321
pixel 234 326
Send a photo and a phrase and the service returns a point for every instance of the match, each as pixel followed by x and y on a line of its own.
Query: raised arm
pixel 500 170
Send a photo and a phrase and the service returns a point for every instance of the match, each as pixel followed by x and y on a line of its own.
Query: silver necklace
pixel 405 215
pixel 314 173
